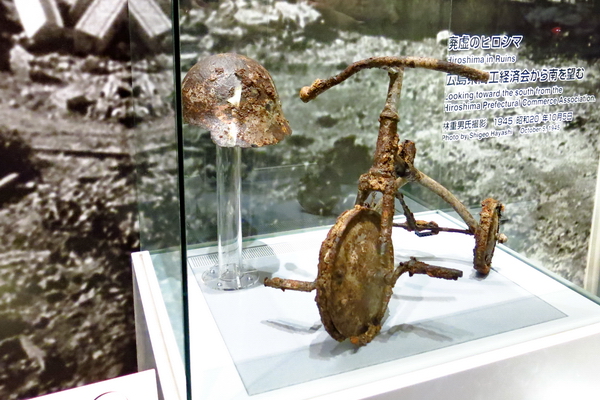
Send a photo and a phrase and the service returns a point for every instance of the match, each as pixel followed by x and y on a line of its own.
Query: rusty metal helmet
pixel 235 98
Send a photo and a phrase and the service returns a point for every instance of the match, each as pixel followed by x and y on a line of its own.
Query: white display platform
pixel 263 343
pixel 140 386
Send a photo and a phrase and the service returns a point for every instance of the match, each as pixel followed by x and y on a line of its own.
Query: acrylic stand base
pixel 233 278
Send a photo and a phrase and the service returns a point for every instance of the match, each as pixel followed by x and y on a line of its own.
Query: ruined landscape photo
pixel 88 163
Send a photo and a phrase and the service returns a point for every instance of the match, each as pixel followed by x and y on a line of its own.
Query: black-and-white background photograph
pixel 68 209
pixel 87 148
pixel 546 180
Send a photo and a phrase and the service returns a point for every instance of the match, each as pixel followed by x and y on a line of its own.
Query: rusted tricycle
pixel 356 262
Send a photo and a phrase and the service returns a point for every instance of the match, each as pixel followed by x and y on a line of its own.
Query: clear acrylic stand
pixel 230 273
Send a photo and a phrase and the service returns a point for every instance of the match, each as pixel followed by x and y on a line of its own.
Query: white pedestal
pixel 517 333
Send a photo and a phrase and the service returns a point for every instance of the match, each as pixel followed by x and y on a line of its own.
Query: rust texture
pixel 413 266
pixel 283 284
pixel 235 98
pixel 352 290
pixel 308 93
pixel 406 170
pixel 486 235
pixel 429 227
pixel 356 273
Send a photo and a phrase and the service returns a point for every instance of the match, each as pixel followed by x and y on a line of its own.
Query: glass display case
pixel 221 211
